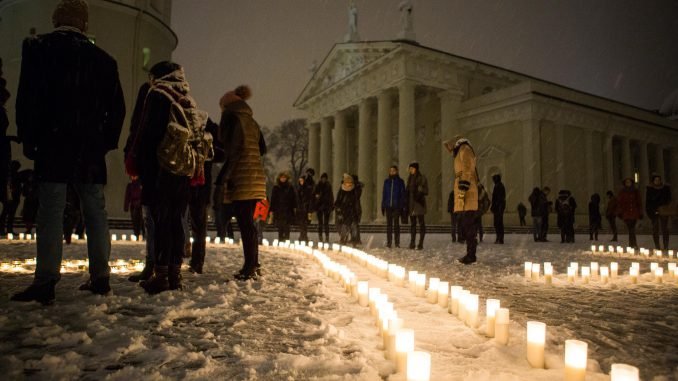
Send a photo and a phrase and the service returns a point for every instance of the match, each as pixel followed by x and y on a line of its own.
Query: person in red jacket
pixel 260 217
pixel 630 208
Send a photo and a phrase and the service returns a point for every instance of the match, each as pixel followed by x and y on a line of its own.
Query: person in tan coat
pixel 243 173
pixel 466 191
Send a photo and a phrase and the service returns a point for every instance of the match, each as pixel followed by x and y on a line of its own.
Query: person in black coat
pixel 595 218
pixel 658 195
pixel 417 190
pixel 565 208
pixel 69 114
pixel 323 201
pixel 348 210
pixel 498 207
pixel 304 198
pixel 393 205
pixel 283 206
pixel 537 204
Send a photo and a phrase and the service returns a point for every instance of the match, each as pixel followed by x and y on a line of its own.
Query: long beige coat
pixel 465 179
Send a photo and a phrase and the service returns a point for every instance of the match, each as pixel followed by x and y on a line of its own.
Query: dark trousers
pixel 283 226
pixel 522 220
pixel 393 226
pixel 594 227
pixel 303 226
pixel 613 226
pixel 197 206
pixel 169 203
pixel 499 226
pixel 8 214
pixel 468 225
pixel 226 212
pixel 413 230
pixel 454 224
pixel 663 223
pixel 244 210
pixel 544 227
pixel 631 226
pixel 324 224
pixel 137 216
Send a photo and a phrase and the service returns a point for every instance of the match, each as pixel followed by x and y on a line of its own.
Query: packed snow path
pixel 297 324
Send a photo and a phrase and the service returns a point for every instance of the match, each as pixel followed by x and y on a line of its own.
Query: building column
pixel 531 155
pixel 659 160
pixel 609 162
pixel 406 125
pixel 365 160
pixel 384 141
pixel 339 166
pixel 560 159
pixel 314 147
pixel 326 147
pixel 627 171
pixel 449 127
pixel 590 163
pixel 644 169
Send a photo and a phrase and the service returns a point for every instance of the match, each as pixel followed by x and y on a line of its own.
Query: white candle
pixel 394 324
pixel 418 366
pixel 420 289
pixel 455 291
pixel 462 304
pixel 10 236
pixel 658 253
pixel 575 266
pixel 571 273
pixel 594 269
pixel 671 267
pixel 633 272
pixel 624 372
pixel 585 274
pixel 378 301
pixel 492 305
pixel 659 274
pixel 472 302
pixel 536 339
pixel 372 294
pixel 433 290
pixel 614 269
pixel 601 248
pixel 528 270
pixel 28 237
pixel 208 239
pixel 404 345
pixel 412 279
pixel 124 238
pixel 443 294
pixel 604 274
pixel 535 271
pixel 653 266
pixel 501 326
pixel 575 360
pixel 593 248
pixel 670 253
pixel 362 293
pixel 548 275
pixel 22 236
pixel 133 238
pixel 114 237
pixel 610 249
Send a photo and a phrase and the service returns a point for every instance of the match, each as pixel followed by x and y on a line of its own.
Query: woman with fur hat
pixel 348 210
pixel 283 205
pixel 657 201
pixel 629 208
pixel 243 175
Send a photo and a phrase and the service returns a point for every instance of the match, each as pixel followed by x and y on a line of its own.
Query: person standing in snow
pixel 657 202
pixel 630 208
pixel 304 198
pixel 347 210
pixel 522 212
pixel 68 86
pixel 283 206
pixel 498 207
pixel 416 191
pixel 323 199
pixel 466 189
pixel 611 214
pixel 537 203
pixel 595 219
pixel 565 208
pixel 392 204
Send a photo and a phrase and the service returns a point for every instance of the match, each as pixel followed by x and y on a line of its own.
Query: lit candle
pixel 536 338
pixel 362 293
pixel 535 271
pixel 670 253
pixel 114 237
pixel 548 275
pixel 575 266
pixel 575 360
pixel 658 253
pixel 10 236
pixel 462 304
pixel 420 289
pixel 443 294
pixel 659 274
pixel 585 274
pixel 433 290
pixel 133 238
pixel 610 249
pixel 594 269
pixel 492 305
pixel 394 324
pixel 653 266
pixel 593 248
pixel 404 346
pixel 620 250
pixel 412 279
pixel 633 272
pixel 418 366
pixel 372 297
pixel 614 269
pixel 472 310
pixel 623 372
pixel 571 273
pixel 501 326
pixel 528 270
pixel 671 269
pixel 22 236
pixel 124 238
pixel 455 292
pixel 604 274
pixel 601 248
pixel 208 239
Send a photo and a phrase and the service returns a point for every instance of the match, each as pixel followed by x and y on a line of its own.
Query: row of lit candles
pixel 119 266
pixel 465 306
pixel 601 249
pixel 604 273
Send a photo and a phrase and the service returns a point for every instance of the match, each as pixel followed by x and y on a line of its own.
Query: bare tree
pixel 288 143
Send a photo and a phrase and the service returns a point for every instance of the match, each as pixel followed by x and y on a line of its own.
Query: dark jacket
pixel 611 208
pixel 69 107
pixel 347 204
pixel 565 207
pixel 498 196
pixel 137 115
pixel 538 203
pixel 594 210
pixel 283 202
pixel 304 200
pixel 656 197
pixel 522 210
pixel 393 195
pixel 629 204
pixel 323 197
pixel 417 190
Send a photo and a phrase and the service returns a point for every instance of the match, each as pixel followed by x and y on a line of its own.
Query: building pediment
pixel 341 62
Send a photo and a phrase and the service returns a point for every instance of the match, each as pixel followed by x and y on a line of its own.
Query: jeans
pixel 50 230
pixel 393 226
pixel 244 210
pixel 413 230
pixel 499 226
pixel 536 228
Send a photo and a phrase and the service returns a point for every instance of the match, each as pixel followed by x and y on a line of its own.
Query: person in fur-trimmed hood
pixel 630 208
pixel 466 190
pixel 243 172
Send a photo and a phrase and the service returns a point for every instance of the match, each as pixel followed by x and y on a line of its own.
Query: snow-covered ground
pixel 296 324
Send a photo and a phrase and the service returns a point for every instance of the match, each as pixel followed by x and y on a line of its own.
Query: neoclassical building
pixel 371 105
pixel 136 33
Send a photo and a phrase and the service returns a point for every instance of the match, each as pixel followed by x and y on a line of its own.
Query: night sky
pixel 624 50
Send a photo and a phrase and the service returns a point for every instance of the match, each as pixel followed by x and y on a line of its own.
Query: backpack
pixel 484 201
pixel 186 145
pixel 566 207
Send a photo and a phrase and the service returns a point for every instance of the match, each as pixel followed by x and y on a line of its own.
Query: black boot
pixel 99 286
pixel 143 275
pixel 41 293
pixel 174 277
pixel 467 259
pixel 158 282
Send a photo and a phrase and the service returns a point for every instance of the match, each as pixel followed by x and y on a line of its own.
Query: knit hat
pixel 241 93
pixel 73 13
pixel 414 165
